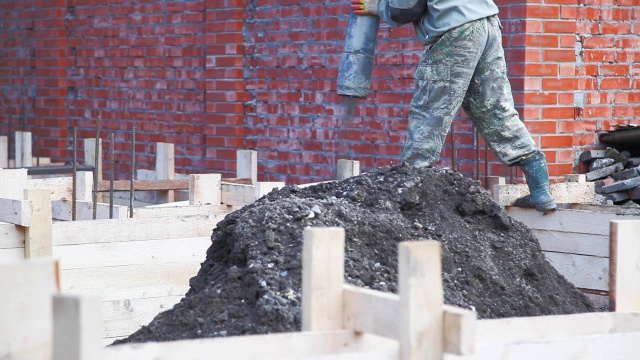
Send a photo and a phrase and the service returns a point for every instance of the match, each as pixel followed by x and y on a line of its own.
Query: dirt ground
pixel 250 282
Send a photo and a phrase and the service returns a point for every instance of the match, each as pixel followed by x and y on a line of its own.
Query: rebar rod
pixel 453 147
pixel 111 172
pixel 95 169
pixel 133 171
pixel 74 186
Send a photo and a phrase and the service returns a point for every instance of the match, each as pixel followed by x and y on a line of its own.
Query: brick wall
pixel 216 75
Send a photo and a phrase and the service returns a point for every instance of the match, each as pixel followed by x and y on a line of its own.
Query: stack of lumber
pixel 616 176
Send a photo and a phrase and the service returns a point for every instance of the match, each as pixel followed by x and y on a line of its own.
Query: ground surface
pixel 251 280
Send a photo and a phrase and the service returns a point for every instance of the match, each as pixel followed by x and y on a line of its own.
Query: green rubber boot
pixel 537 175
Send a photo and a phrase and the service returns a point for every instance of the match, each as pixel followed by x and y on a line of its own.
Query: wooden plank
pixel 459 331
pixel 370 311
pixel 421 300
pixel 120 295
pixel 322 278
pixel 62 187
pixel 340 345
pixel 190 250
pixel 237 194
pixel 583 193
pixel 347 168
pixel 24 157
pixel 11 236
pixel 26 326
pixel 145 185
pixel 598 347
pixel 61 210
pixel 574 221
pixel 122 230
pixel 247 165
pixel 76 328
pixel 492 181
pixel 103 280
pixel 179 211
pixel 510 330
pixel 18 212
pixel 573 243
pixel 205 189
pixel 165 169
pixel 4 151
pixel 625 265
pixel 13 183
pixel 611 209
pixel 587 272
pixel 15 254
pixel 126 316
pixel 37 237
pixel 265 187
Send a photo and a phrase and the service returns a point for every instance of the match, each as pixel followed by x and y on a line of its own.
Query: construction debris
pixel 250 282
pixel 616 175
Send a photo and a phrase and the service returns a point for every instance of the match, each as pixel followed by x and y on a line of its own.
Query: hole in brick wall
pixel 72 92
pixel 71 12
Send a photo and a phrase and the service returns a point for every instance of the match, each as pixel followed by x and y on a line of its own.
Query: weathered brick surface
pixel 212 76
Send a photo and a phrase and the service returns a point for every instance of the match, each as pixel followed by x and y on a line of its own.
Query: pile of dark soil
pixel 250 282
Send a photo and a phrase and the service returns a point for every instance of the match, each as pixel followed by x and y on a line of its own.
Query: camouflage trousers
pixel 465 68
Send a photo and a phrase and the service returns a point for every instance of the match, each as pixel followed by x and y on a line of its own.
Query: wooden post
pixel 90 158
pixel 205 189
pixel 247 165
pixel 4 152
pixel 421 300
pixel 84 187
pixel 624 266
pixel 322 278
pixel 12 183
pixel 347 168
pixel 165 169
pixel 76 328
pixel 265 187
pixel 24 157
pixel 38 237
pixel 25 309
pixel 493 181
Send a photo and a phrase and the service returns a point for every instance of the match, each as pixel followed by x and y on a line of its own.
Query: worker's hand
pixel 365 7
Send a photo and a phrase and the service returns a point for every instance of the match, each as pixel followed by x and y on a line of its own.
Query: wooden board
pixel 11 236
pixel 68 233
pixel 337 345
pixel 109 254
pixel 508 330
pixel 102 280
pixel 62 210
pixel 17 212
pixel 573 243
pixel 588 272
pixel 123 317
pixel 574 221
pixel 145 185
pixel 26 325
pixel 625 265
pixel 571 192
pixel 13 183
pixel 597 347
pixel 179 211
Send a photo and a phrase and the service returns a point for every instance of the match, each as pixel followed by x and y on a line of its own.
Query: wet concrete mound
pixel 250 282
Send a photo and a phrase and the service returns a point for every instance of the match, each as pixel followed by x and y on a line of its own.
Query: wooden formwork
pixel 346 322
pixel 574 238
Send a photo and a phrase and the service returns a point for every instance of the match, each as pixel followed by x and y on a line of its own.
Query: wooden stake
pixel 90 158
pixel 165 169
pixel 76 327
pixel 38 236
pixel 322 279
pixel 247 165
pixel 24 157
pixel 624 266
pixel 421 300
pixel 205 189
pixel 25 309
pixel 4 152
pixel 347 169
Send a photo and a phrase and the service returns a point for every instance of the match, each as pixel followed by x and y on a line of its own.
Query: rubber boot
pixel 537 175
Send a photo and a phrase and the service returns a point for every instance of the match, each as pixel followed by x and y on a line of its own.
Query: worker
pixel 463 65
